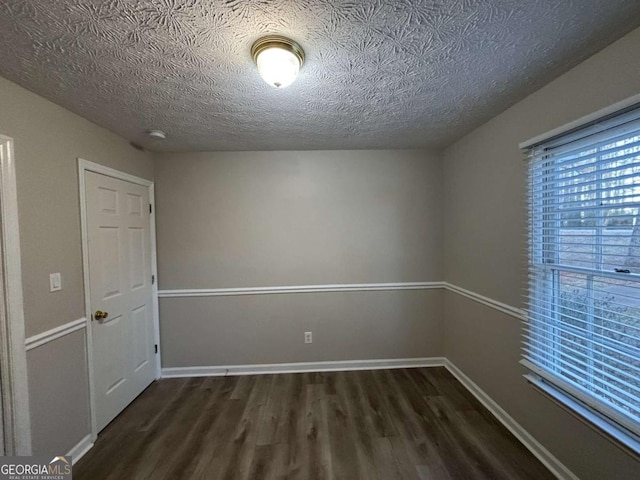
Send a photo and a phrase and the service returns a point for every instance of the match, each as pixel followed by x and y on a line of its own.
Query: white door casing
pixel 119 256
pixel 3 323
pixel 13 362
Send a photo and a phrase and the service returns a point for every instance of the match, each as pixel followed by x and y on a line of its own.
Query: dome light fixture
pixel 157 134
pixel 278 59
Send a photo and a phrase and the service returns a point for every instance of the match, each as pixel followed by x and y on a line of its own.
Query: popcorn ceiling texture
pixel 378 73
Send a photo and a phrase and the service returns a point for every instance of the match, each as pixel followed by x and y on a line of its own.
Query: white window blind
pixel 583 329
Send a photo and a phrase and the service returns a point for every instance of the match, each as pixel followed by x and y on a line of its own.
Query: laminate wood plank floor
pixel 416 423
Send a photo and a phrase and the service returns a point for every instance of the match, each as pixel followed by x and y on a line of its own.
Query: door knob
pixel 100 315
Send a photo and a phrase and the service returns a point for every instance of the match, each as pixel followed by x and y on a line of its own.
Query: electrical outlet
pixel 308 337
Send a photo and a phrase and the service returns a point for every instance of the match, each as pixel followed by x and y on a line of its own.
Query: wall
pixel 485 251
pixel 47 141
pixel 264 219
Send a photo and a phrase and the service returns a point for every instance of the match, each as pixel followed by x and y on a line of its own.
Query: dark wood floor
pixel 385 424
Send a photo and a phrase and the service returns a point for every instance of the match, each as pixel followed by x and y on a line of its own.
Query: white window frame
pixel 602 419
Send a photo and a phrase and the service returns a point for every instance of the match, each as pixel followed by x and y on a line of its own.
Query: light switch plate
pixel 55 282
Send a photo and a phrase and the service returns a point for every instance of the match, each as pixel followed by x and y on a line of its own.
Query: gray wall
pixel 261 219
pixel 59 394
pixel 47 140
pixel 247 219
pixel 485 251
pixel 247 330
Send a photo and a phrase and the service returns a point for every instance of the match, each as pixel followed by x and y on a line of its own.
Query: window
pixel 583 330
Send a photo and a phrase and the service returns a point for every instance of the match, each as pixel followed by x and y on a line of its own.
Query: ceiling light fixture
pixel 278 59
pixel 157 134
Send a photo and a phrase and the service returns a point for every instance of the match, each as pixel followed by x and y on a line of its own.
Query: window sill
pixel 621 437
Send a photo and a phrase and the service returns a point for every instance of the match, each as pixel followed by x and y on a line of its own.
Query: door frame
pixel 85 166
pixel 13 354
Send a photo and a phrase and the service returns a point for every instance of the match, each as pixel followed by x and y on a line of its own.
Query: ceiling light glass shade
pixel 278 67
pixel 278 59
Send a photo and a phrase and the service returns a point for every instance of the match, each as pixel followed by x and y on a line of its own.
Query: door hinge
pixel 156 347
pixel 153 279
pixel 150 208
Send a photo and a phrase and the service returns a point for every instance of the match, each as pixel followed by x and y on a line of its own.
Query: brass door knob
pixel 100 315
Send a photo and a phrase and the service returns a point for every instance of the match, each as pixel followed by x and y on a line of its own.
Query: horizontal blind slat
pixel 541 267
pixel 624 130
pixel 581 370
pixel 562 199
pixel 555 183
pixel 541 338
pixel 569 371
pixel 595 338
pixel 549 311
pixel 546 309
pixel 602 405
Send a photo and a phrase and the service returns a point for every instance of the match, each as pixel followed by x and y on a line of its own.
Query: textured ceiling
pixel 378 73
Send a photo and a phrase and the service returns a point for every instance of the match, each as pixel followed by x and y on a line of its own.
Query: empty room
pixel 320 239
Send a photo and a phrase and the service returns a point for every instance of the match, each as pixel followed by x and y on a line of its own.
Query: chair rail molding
pixel 55 333
pixel 346 287
pixel 349 287
pixel 489 302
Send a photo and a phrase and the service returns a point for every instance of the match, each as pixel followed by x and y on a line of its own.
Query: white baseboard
pixel 552 463
pixel 80 449
pixel 233 370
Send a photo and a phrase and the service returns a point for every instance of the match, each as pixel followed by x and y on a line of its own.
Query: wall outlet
pixel 55 282
pixel 308 337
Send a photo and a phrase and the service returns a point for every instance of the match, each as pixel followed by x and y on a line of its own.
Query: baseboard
pixel 80 449
pixel 233 370
pixel 552 463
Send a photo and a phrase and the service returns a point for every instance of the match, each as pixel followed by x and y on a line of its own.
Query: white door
pixel 119 247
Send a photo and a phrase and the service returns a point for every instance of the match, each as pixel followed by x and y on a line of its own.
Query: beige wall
pixel 59 394
pixel 247 330
pixel 485 251
pixel 247 219
pixel 298 218
pixel 47 141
